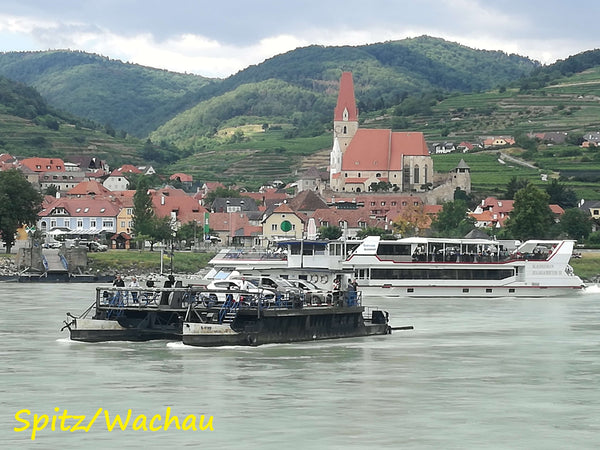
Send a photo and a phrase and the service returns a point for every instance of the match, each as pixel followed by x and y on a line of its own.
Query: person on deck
pixel 134 293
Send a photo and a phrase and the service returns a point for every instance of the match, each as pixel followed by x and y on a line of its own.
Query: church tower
pixel 345 117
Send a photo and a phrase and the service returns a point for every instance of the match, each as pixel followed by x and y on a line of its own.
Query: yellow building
pixel 283 223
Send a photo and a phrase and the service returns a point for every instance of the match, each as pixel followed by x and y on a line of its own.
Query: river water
pixel 473 374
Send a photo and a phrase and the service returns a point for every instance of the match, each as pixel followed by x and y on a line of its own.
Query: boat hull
pixel 101 330
pixel 285 326
pixel 467 291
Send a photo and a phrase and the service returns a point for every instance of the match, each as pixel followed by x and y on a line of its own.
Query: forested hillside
pixel 126 97
pixel 29 127
pixel 140 99
pixel 272 120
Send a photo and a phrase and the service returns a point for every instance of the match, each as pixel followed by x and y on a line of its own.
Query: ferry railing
pixel 145 297
pixel 114 301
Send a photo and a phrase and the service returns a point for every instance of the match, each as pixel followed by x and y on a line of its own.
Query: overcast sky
pixel 219 38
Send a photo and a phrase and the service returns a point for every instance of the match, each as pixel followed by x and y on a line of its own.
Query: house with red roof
pixel 493 213
pixel 39 165
pixel 88 189
pixel 235 228
pixel 176 204
pixel 351 221
pixel 85 217
pixel 183 179
pixel 117 180
pixel 362 157
pixel 7 162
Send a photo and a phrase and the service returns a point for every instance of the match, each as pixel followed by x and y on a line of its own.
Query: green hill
pixel 271 120
pixel 127 97
pixel 29 127
pixel 139 99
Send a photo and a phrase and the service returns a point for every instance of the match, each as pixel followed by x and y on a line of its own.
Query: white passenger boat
pixel 419 267
pixel 430 267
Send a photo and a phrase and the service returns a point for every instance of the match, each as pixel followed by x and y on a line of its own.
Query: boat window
pixel 441 274
pixel 393 249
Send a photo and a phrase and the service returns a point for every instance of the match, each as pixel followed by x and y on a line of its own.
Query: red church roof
pixel 382 149
pixel 346 99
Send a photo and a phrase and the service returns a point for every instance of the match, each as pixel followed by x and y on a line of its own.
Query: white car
pixel 239 290
pixel 313 293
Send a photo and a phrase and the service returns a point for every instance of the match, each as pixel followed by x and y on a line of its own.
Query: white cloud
pixel 216 43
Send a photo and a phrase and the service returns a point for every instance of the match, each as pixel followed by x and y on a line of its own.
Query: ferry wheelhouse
pixel 430 267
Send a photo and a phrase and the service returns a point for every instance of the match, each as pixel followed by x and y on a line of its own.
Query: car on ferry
pixel 239 290
pixel 313 293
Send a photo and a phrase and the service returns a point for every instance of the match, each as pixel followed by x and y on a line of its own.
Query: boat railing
pixel 225 303
pixel 124 297
pixel 461 257
pixel 347 298
pixel 254 255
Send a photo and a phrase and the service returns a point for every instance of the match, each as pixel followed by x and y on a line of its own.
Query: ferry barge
pixel 125 314
pixel 202 317
pixel 283 322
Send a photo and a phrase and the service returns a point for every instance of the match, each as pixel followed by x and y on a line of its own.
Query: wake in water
pixel 593 289
pixel 182 346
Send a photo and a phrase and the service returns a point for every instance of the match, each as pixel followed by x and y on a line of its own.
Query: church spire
pixel 345 115
pixel 346 109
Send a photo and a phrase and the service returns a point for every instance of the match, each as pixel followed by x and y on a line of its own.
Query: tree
pixel 380 186
pixel 576 224
pixel 459 194
pixel 374 231
pixel 531 217
pixel 221 192
pixel 143 211
pixel 561 195
pixel 330 232
pixel 20 204
pixel 526 143
pixel 453 220
pixel 51 190
pixel 513 186
pixel 160 231
pixel 411 221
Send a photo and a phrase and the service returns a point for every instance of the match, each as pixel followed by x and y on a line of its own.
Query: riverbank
pixel 128 263
pixel 142 263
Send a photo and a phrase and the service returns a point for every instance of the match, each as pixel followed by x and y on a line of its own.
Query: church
pixel 362 157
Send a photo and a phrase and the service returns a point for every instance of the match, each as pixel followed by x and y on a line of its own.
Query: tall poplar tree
pixel 143 211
